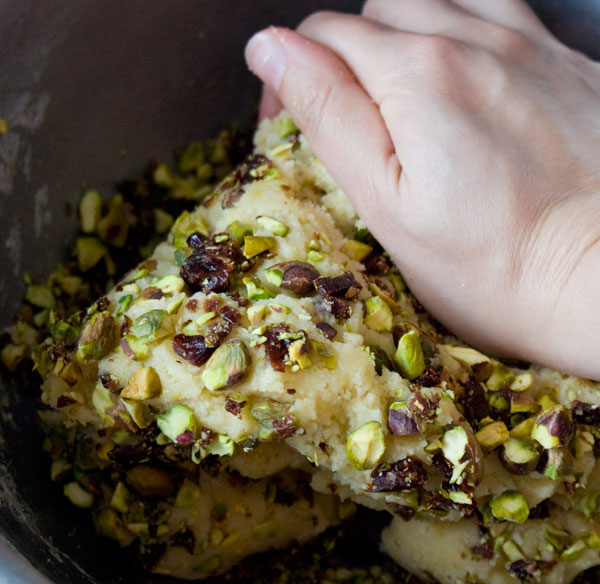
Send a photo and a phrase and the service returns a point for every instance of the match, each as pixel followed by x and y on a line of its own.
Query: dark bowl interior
pixel 91 91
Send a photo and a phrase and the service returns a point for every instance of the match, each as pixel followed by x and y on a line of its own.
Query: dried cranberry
pixel 401 475
pixel 328 331
pixel 473 401
pixel 192 348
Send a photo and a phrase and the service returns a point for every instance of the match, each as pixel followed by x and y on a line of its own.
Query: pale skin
pixel 468 139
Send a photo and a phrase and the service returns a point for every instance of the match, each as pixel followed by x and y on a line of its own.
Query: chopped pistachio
pixel 460 497
pixel 138 275
pixel 287 127
pixel 108 524
pixel 237 231
pixel 379 357
pixel 120 498
pixel 500 377
pixel 298 353
pixel 139 412
pixel 143 384
pixel 402 421
pixel 174 306
pixel 398 283
pixel 3 126
pixel 59 468
pixel 188 223
pixel 519 456
pixel 178 424
pixel 89 252
pixel 498 402
pixel 171 284
pixel 255 289
pixel 315 256
pixel 123 303
pixel 511 551
pixel 280 308
pixel 492 435
pixel 462 451
pixel 163 221
pixel 546 402
pixel 222 445
pixel 366 445
pixel 255 245
pixel 78 495
pixel 98 337
pixel 210 564
pixel 480 365
pixel 325 353
pixel 592 541
pixel 138 348
pixel 187 495
pixel 314 245
pixel 114 226
pixel 151 326
pixel 150 481
pixel 409 355
pixel 523 382
pixel 227 366
pixel 191 158
pixel 523 403
pixel 265 530
pixel 273 225
pixel 103 400
pixel 553 427
pixel 582 444
pixel 11 355
pixel 588 504
pixel 256 313
pixel 273 276
pixel 40 295
pixel 510 506
pixel 574 551
pixel 90 208
pixel 378 314
pixel 357 250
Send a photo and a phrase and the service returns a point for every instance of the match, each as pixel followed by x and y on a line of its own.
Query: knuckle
pixel 316 20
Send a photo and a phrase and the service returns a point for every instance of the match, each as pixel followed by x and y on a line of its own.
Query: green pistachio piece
pixel 492 435
pixel 255 289
pixel 498 402
pixel 325 354
pixel 523 382
pixel 510 506
pixel 110 525
pixel 398 283
pixel 178 424
pixel 287 127
pixel 592 541
pixel 366 445
pixel 574 551
pixel 518 456
pixel 380 358
pixel 151 326
pixel 409 355
pixel 460 497
pixel 266 413
pixel 98 337
pixel 120 498
pixel 501 376
pixel 273 276
pixel 222 445
pixel 546 402
pixel 163 221
pixel 143 384
pixel 187 495
pixel 123 303
pixel 512 551
pixel 255 245
pixel 356 250
pixel 273 225
pixel 90 208
pixel 461 450
pixel 237 231
pixel 11 355
pixel 582 444
pixel 171 284
pixel 378 315
pixel 227 366
pixel 191 158
pixel 114 226
pixel 315 256
pixel 89 252
pixel 298 354
pixel 588 504
pixel 150 481
pixel 554 427
pixel 188 223
pixel 103 401
pixel 523 403
pixel 78 495
pixel 40 296
pixel 265 530
pixel 480 365
pixel 139 349
pixel 139 413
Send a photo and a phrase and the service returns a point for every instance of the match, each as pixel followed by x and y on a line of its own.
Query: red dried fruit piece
pixel 192 348
pixel 401 475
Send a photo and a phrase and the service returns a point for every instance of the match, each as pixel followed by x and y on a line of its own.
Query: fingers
pixel 418 16
pixel 340 121
pixel 513 14
pixel 270 105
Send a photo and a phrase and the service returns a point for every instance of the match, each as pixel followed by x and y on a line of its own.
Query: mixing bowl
pixel 91 90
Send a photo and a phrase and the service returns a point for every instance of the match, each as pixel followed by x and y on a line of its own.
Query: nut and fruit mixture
pixel 265 369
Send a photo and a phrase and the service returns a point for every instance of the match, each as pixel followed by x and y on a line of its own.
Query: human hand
pixel 467 138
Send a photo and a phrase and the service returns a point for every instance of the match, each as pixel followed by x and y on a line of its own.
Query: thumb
pixel 339 119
